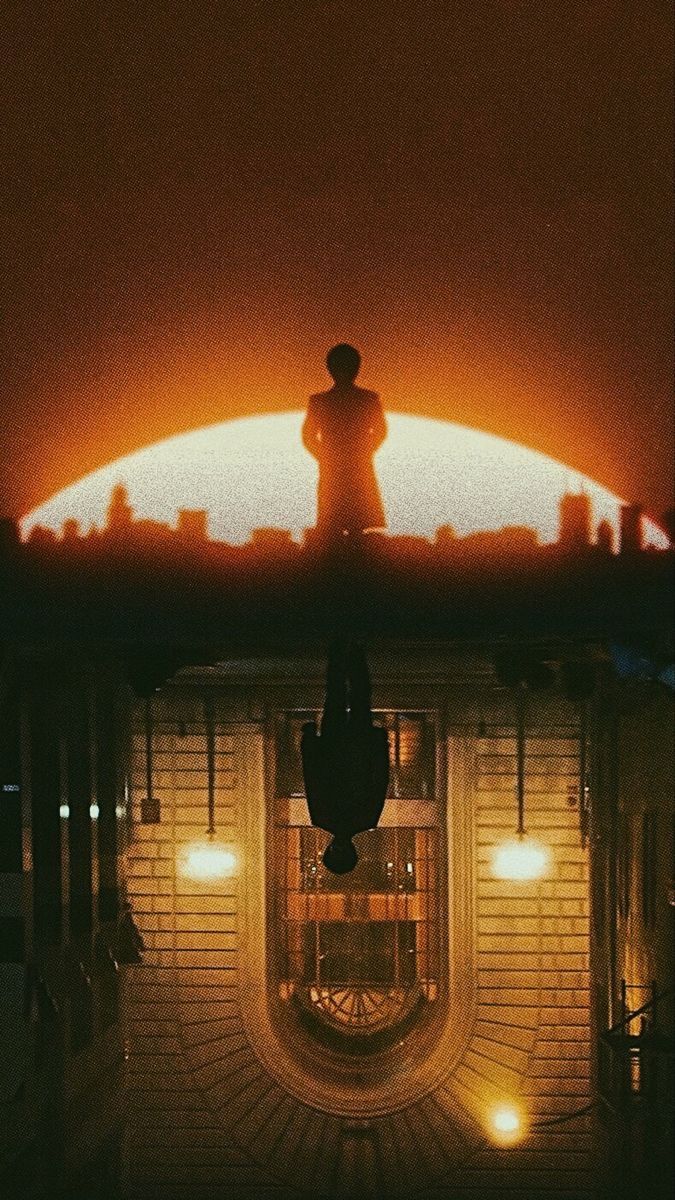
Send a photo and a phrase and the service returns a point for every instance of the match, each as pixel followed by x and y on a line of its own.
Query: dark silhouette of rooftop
pixel 120 513
pixel 575 520
pixel 191 535
pixel 143 580
pixel 631 531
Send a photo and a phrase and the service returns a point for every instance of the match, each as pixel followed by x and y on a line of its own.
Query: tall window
pixel 358 955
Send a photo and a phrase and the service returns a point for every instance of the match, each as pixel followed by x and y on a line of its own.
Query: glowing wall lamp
pixel 506 1124
pixel 209 859
pixel 522 858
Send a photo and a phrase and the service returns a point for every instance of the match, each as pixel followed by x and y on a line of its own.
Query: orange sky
pixel 489 380
pixel 479 195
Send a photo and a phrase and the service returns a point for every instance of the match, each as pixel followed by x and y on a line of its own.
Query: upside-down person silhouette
pixel 343 429
pixel 346 766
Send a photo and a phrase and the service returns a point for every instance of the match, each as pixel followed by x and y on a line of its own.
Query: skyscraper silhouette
pixel 630 537
pixel 193 524
pixel 575 520
pixel 120 514
pixel 605 537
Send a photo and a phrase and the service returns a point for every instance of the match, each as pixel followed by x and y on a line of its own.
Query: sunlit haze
pixel 254 472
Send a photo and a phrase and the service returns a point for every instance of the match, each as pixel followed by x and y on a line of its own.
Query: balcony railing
pixel 632 1051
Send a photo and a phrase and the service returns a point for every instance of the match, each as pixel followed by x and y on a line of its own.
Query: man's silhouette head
pixel 340 856
pixel 343 363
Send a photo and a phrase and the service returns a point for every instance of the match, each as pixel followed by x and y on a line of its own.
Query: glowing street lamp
pixel 506 1124
pixel 209 859
pixel 523 858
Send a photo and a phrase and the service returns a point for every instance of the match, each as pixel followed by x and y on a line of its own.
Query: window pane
pixel 413 766
pixel 358 953
pixel 412 747
pixel 289 779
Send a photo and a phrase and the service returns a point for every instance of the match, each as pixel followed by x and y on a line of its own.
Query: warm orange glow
pixel 196 369
pixel 521 859
pixel 207 860
pixel 254 473
pixel 506 1124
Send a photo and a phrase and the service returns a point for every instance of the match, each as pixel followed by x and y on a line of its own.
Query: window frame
pixel 438 806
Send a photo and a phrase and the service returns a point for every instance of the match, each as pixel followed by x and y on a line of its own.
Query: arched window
pixel 358 957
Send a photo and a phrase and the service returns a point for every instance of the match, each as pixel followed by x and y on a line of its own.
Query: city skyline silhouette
pixel 577 530
pixel 256 473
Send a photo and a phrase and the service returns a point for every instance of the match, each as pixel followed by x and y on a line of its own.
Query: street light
pixel 523 858
pixel 506 1124
pixel 209 859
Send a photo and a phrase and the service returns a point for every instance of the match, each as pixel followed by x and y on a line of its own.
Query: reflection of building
pixel 360 1030
pixel 357 958
pixel 432 1020
pixel 419 980
pixel 633 897
pixel 61 806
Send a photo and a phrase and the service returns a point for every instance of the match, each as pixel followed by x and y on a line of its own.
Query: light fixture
pixel 150 813
pixel 94 811
pixel 209 859
pixel 64 811
pixel 522 858
pixel 506 1124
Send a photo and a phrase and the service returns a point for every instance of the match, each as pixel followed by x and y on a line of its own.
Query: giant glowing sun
pixel 254 472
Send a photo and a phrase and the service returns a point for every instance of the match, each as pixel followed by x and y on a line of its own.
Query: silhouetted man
pixel 346 767
pixel 343 429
